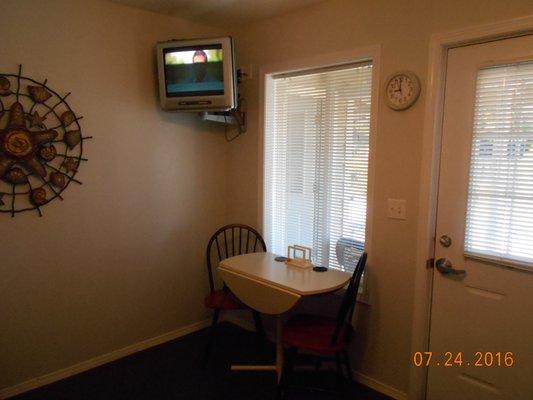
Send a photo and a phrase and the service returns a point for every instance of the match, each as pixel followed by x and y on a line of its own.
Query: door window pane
pixel 499 220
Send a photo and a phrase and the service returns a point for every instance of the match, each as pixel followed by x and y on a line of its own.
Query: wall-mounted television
pixel 197 75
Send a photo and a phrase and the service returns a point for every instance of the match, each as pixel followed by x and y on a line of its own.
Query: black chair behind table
pixel 228 241
pixel 324 336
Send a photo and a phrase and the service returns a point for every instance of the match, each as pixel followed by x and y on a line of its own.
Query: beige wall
pixel 121 259
pixel 403 29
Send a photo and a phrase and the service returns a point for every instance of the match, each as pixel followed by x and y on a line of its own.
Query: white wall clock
pixel 402 90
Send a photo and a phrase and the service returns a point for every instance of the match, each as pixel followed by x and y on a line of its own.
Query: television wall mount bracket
pixel 233 117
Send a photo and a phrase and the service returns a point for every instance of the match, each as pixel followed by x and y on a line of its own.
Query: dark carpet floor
pixel 172 371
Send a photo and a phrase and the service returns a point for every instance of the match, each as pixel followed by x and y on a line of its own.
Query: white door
pixel 481 338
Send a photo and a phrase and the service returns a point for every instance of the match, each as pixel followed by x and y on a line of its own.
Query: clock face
pixel 402 90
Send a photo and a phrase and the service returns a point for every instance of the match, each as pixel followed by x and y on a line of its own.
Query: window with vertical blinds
pixel 317 129
pixel 499 221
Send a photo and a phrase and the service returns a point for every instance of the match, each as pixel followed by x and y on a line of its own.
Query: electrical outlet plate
pixel 396 209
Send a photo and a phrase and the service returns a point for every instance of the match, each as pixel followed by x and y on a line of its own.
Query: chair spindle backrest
pixel 346 309
pixel 232 240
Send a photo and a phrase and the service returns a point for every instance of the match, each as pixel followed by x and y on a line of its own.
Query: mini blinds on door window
pixel 316 162
pixel 500 199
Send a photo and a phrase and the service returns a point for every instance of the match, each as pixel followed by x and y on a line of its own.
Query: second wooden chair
pixel 323 336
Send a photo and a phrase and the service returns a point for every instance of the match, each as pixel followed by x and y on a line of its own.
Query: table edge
pixel 284 287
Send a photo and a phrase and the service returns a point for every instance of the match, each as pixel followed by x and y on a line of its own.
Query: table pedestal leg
pixel 278 367
pixel 279 346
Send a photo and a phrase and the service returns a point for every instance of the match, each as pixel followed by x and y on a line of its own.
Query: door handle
pixel 445 267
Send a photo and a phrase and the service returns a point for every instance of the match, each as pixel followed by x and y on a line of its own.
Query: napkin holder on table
pixel 294 258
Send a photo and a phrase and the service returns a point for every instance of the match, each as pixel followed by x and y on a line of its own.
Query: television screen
pixel 194 71
pixel 197 74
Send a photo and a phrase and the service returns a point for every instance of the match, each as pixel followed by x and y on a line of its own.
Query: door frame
pixel 429 174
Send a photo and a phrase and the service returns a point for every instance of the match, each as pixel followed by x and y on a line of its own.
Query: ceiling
pixel 220 12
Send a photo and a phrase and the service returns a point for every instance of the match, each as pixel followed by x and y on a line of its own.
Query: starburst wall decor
pixel 41 144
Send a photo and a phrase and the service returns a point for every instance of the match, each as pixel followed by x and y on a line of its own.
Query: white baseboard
pixel 379 386
pixel 100 360
pixel 359 377
pixel 244 323
pixel 166 337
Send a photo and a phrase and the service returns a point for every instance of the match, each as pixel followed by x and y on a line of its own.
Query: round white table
pixel 272 287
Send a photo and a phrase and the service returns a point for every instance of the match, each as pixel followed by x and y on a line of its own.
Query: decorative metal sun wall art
pixel 41 144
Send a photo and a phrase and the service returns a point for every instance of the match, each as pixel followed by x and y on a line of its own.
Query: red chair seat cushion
pixel 314 333
pixel 223 299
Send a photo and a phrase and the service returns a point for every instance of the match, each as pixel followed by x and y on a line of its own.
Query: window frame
pixel 294 65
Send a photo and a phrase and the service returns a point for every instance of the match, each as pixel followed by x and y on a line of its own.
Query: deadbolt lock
pixel 445 241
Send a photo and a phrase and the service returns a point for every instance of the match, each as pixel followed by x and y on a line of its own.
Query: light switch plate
pixel 396 209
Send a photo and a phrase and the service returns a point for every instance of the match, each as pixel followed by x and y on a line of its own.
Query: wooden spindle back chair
pixel 324 336
pixel 345 313
pixel 230 240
